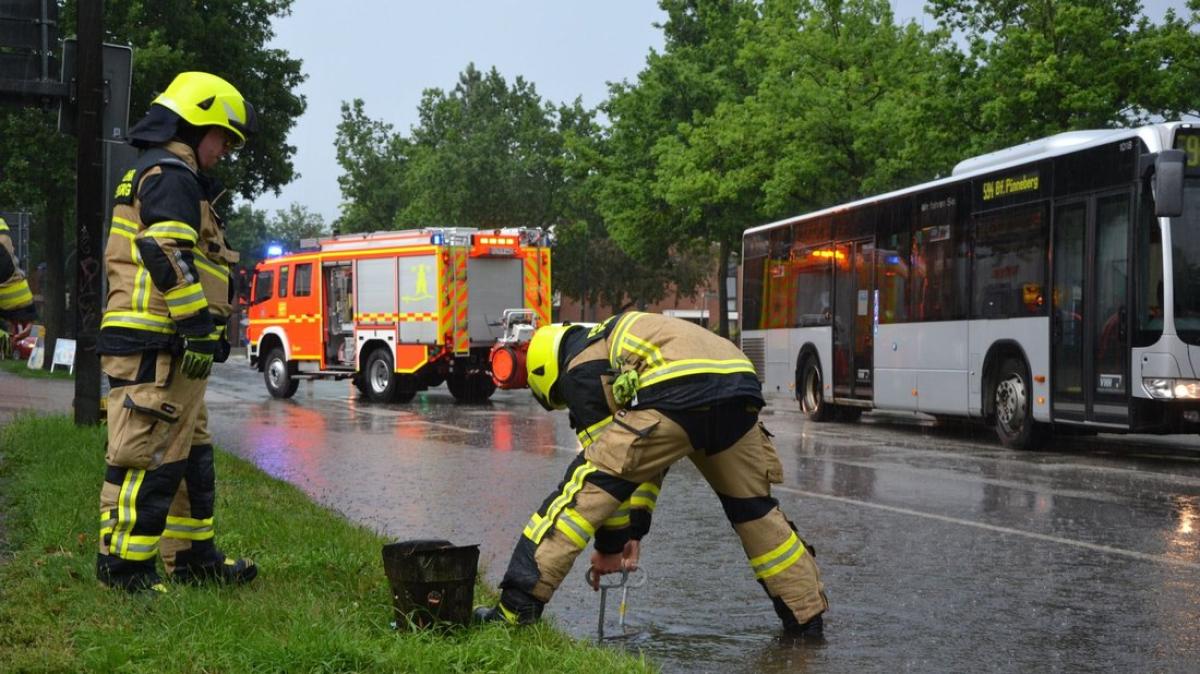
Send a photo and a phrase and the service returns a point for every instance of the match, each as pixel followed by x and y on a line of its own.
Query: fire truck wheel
pixel 380 375
pixel 278 376
pixel 473 387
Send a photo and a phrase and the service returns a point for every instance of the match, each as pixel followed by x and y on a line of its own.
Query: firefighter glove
pixel 625 387
pixel 223 347
pixel 198 356
pixel 5 344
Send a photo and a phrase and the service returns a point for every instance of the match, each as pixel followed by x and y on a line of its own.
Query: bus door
pixel 1090 318
pixel 853 313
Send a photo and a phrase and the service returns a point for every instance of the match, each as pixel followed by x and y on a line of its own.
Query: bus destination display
pixel 1188 140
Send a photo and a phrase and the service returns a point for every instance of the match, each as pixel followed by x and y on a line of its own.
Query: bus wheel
pixel 380 376
pixel 848 413
pixel 279 380
pixel 1012 409
pixel 811 395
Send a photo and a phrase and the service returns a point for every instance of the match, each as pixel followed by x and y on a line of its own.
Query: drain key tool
pixel 624 582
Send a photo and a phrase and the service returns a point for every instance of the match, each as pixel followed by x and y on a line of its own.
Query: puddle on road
pixel 905 593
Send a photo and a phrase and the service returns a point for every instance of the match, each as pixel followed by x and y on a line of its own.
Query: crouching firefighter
pixel 169 296
pixel 16 300
pixel 643 391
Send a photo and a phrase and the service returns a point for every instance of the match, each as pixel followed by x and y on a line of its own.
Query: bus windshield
pixel 1185 252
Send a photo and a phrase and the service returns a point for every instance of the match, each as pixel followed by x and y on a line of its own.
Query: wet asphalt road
pixel 940 550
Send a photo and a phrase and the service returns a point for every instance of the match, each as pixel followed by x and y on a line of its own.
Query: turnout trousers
pixel 159 482
pixel 636 448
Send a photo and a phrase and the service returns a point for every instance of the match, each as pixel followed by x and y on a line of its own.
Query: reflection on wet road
pixel 940 550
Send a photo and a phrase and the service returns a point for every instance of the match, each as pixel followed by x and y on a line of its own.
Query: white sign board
pixel 64 354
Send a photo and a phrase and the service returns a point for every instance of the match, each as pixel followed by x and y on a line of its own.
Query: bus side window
pixel 1010 263
pixel 892 262
pixel 263 283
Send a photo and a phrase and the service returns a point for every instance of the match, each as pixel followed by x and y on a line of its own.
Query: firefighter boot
pixel 515 608
pixel 203 562
pixel 133 577
pixel 813 630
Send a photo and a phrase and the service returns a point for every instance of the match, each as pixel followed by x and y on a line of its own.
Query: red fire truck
pixel 399 312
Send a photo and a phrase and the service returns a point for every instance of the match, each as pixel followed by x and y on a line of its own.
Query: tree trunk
pixel 723 290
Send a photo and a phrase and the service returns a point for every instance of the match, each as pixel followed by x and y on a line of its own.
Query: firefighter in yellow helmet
pixel 643 391
pixel 169 296
pixel 16 301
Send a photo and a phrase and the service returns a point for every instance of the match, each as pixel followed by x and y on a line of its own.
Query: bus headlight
pixel 1172 389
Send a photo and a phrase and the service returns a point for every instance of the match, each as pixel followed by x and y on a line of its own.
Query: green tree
pixel 484 154
pixel 168 36
pixel 249 233
pixel 228 38
pixel 688 81
pixel 1040 68
pixel 374 163
pixel 295 223
pixel 846 103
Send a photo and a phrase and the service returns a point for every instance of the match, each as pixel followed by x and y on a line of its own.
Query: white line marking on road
pixel 1144 556
pixel 422 422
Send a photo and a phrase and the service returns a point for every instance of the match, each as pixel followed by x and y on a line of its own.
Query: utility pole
pixel 89 210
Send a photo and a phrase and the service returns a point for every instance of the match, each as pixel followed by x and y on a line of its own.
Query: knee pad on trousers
pixel 522 573
pixel 742 510
pixel 201 481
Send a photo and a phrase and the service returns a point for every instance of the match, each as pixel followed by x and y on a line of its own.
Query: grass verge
pixel 321 602
pixel 19 368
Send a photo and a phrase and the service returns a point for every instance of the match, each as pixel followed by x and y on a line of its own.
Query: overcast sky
pixel 387 52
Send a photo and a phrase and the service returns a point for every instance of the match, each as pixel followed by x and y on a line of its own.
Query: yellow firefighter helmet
pixel 541 362
pixel 202 99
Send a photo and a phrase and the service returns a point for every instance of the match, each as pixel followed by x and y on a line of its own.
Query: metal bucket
pixel 432 581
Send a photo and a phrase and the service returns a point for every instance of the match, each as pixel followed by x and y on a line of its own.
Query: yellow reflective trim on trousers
pixel 692 366
pixel 646 496
pixel 171 230
pixel 15 294
pixel 107 522
pixel 138 320
pixel 124 227
pixel 536 531
pixel 186 300
pixel 189 528
pixel 140 548
pixel 592 433
pixel 510 616
pixel 575 527
pixel 126 510
pixel 617 336
pixel 779 559
pixel 205 265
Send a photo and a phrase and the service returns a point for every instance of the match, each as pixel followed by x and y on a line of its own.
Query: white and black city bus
pixel 1051 284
